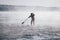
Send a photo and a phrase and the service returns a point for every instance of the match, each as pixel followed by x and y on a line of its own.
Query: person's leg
pixel 31 22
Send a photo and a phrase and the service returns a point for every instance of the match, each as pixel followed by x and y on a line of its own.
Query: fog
pixel 51 18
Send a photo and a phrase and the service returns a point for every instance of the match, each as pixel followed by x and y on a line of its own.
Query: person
pixel 32 18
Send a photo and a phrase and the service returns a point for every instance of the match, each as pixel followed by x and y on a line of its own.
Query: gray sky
pixel 48 3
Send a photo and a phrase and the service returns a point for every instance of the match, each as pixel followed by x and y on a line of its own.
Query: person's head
pixel 31 13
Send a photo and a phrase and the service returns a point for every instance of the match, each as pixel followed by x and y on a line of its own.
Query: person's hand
pixel 29 17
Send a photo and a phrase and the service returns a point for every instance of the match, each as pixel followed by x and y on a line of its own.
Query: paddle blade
pixel 22 22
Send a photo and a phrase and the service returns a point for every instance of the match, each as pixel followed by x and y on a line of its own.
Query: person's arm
pixel 29 16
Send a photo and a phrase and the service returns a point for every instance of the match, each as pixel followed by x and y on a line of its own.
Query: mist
pixel 51 18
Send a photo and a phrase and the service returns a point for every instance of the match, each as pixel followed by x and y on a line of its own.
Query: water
pixel 47 24
pixel 31 38
pixel 26 32
pixel 11 28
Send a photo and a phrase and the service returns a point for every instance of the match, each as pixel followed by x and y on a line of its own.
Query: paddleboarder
pixel 32 18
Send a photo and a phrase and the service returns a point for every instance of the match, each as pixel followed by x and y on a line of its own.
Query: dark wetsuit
pixel 32 18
